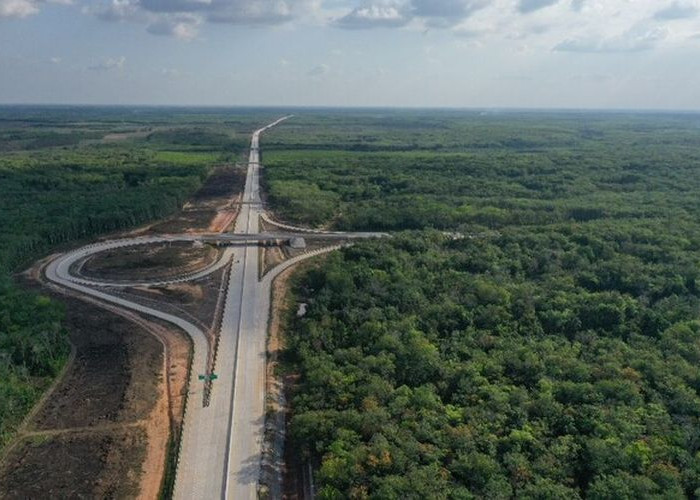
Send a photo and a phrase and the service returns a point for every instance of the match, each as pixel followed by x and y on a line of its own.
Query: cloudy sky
pixel 455 53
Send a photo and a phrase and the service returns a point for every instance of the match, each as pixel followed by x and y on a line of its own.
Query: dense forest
pixel 532 328
pixel 70 174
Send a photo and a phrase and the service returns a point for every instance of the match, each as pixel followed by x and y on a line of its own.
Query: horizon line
pixel 355 107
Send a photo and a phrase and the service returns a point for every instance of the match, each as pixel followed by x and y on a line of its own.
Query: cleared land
pixel 160 261
pixel 213 207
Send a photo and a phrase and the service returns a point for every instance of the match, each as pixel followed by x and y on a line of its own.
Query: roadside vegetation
pixel 530 331
pixel 69 174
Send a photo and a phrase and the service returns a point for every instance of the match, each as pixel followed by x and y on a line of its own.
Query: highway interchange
pixel 221 443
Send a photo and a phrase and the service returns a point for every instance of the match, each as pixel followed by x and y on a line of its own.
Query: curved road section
pixel 221 444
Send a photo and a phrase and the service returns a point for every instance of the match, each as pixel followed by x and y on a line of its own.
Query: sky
pixel 600 54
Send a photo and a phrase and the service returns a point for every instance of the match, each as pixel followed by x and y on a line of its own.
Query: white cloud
pixel 527 6
pixel 253 12
pixel 17 8
pixel 374 16
pixel 24 8
pixel 591 26
pixel 320 70
pixel 109 64
pixel 677 10
pixel 445 13
pixel 594 26
pixel 398 13
pixel 170 73
pixel 631 41
pixel 183 27
pixel 578 5
pixel 182 18
pixel 261 12
pixel 117 10
pixel 176 5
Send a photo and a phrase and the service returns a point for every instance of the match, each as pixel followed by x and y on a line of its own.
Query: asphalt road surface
pixel 220 457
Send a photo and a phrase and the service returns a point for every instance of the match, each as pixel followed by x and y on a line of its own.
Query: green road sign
pixel 213 376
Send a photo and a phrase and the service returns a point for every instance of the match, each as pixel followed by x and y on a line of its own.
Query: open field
pixel 536 331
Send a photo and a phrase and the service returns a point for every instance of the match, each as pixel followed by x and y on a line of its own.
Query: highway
pixel 221 443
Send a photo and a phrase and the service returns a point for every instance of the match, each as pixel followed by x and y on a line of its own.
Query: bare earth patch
pixel 195 301
pixel 273 256
pixel 96 464
pixel 111 414
pixel 157 261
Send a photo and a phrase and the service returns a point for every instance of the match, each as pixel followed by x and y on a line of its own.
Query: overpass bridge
pixel 280 238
